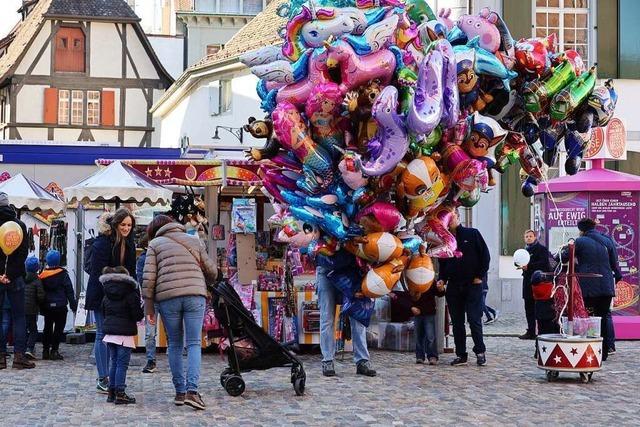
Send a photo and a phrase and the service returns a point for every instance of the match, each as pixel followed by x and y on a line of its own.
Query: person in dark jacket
pixel 12 273
pixel 113 247
pixel 424 320
pixel 546 317
pixel 463 277
pixel 122 309
pixel 58 291
pixel 539 260
pixel 33 298
pixel 596 253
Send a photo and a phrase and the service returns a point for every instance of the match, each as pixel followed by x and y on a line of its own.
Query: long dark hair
pixel 120 215
pixel 156 223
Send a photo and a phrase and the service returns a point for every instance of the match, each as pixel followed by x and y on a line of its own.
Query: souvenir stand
pixel 115 184
pixel 612 199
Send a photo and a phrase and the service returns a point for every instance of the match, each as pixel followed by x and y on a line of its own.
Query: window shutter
pixel 51 105
pixel 607 21
pixel 108 108
pixel 517 15
pixel 214 99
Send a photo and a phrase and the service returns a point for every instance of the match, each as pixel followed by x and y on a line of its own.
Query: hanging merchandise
pixel 243 216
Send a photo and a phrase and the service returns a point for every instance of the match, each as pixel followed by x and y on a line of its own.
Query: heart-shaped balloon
pixel 10 237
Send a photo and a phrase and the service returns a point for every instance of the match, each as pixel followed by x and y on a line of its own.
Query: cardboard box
pixel 246 249
pixel 396 336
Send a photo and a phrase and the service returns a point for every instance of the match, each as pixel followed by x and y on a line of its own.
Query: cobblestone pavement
pixel 510 390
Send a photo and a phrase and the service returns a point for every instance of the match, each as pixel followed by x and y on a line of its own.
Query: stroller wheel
pixel 225 375
pixel 298 386
pixel 234 385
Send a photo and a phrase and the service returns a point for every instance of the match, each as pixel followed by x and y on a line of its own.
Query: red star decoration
pixel 35 230
pixel 574 351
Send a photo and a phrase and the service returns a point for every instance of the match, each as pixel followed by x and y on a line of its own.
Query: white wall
pixel 140 58
pixel 35 47
pixel 199 36
pixel 30 102
pixel 170 53
pixel 135 108
pixel 106 51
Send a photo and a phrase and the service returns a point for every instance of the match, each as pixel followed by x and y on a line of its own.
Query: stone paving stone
pixel 510 390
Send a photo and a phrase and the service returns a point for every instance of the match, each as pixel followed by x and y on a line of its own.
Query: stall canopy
pixel 26 194
pixel 117 183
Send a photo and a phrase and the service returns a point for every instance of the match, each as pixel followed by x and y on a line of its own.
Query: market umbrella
pixel 27 194
pixel 118 183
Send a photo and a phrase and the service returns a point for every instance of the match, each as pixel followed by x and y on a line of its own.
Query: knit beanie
pixel 53 258
pixel 32 264
pixel 4 199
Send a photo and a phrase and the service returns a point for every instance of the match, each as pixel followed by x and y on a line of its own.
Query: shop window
pixel 93 108
pixel 70 50
pixel 77 107
pixel 63 107
pixel 568 19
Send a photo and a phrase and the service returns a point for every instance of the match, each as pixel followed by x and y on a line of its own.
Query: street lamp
pixel 237 132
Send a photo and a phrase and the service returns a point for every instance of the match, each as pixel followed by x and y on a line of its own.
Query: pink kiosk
pixel 612 198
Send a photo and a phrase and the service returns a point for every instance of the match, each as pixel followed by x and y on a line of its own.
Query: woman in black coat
pixel 113 247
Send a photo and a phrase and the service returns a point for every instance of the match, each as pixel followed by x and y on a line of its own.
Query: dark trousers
pixel 530 311
pixel 600 306
pixel 15 292
pixel 546 326
pixel 118 365
pixel 466 299
pixel 32 331
pixel 54 321
pixel 489 312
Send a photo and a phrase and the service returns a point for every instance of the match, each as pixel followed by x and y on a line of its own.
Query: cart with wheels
pixel 559 353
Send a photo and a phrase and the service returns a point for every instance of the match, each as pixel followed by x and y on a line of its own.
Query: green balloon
pixel 537 92
pixel 569 98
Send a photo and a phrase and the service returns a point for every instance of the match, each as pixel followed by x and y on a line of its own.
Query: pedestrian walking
pixel 12 269
pixel 464 277
pixel 113 247
pixel 150 331
pixel 540 260
pixel 58 293
pixel 33 298
pixel 122 309
pixel 176 271
pixel 490 313
pixel 424 320
pixel 596 253
pixel 328 297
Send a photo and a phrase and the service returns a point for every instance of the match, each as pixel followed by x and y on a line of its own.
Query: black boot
pixel 45 354
pixel 123 399
pixel 3 360
pixel 55 355
pixel 364 368
pixel 111 396
pixel 20 361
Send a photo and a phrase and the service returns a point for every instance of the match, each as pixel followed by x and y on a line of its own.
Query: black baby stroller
pixel 250 347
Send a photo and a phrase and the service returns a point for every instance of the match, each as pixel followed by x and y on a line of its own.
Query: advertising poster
pixel 562 215
pixel 618 217
pixel 243 216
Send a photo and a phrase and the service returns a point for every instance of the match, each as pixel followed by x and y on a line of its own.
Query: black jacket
pixel 121 306
pixel 58 290
pixel 540 260
pixel 33 294
pixel 473 263
pixel 105 255
pixel 15 266
pixel 427 301
pixel 596 253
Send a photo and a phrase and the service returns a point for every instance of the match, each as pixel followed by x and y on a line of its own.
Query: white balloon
pixel 521 257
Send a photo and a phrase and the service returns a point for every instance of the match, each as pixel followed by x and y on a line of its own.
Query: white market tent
pixel 118 183
pixel 26 194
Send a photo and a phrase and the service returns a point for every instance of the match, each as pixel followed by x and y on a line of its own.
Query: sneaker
pixel 45 354
pixel 481 359
pixel 496 316
pixel 433 361
pixel 327 369
pixel 20 361
pixel 611 351
pixel 194 400
pixel 150 367
pixel 30 355
pixel 459 361
pixel 55 355
pixel 527 336
pixel 123 399
pixel 489 320
pixel 102 385
pixel 419 361
pixel 179 399
pixel 364 368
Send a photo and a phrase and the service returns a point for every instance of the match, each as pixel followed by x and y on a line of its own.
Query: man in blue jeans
pixel 328 297
pixel 464 277
pixel 12 272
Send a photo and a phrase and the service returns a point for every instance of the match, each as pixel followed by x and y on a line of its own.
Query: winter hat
pixel 4 199
pixel 53 258
pixel 32 264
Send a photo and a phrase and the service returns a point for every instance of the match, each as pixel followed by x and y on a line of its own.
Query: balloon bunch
pixel 383 117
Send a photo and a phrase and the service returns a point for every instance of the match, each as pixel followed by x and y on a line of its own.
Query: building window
pixel 93 108
pixel 212 49
pixel 225 96
pixel 251 7
pixel 220 95
pixel 77 104
pixel 229 6
pixel 70 53
pixel 63 107
pixel 629 35
pixel 569 19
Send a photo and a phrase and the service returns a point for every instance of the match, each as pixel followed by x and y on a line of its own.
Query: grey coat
pixel 177 265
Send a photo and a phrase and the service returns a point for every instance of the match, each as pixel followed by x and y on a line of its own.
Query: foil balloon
pixel 376 247
pixel 435 233
pixel 264 55
pixel 350 168
pixel 293 135
pixel 380 280
pixel 426 110
pixel 359 309
pixel 298 233
pixel 391 142
pixel 538 93
pixel 11 236
pixel 419 274
pixel 569 98
pixel 323 112
pixel 602 102
pixel 298 93
pixel 419 11
pixel 262 129
pixel 375 37
pixel 485 133
pixel 379 216
pixel 485 62
pixel 422 184
pixel 283 71
pixel 532 55
pixel 484 27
